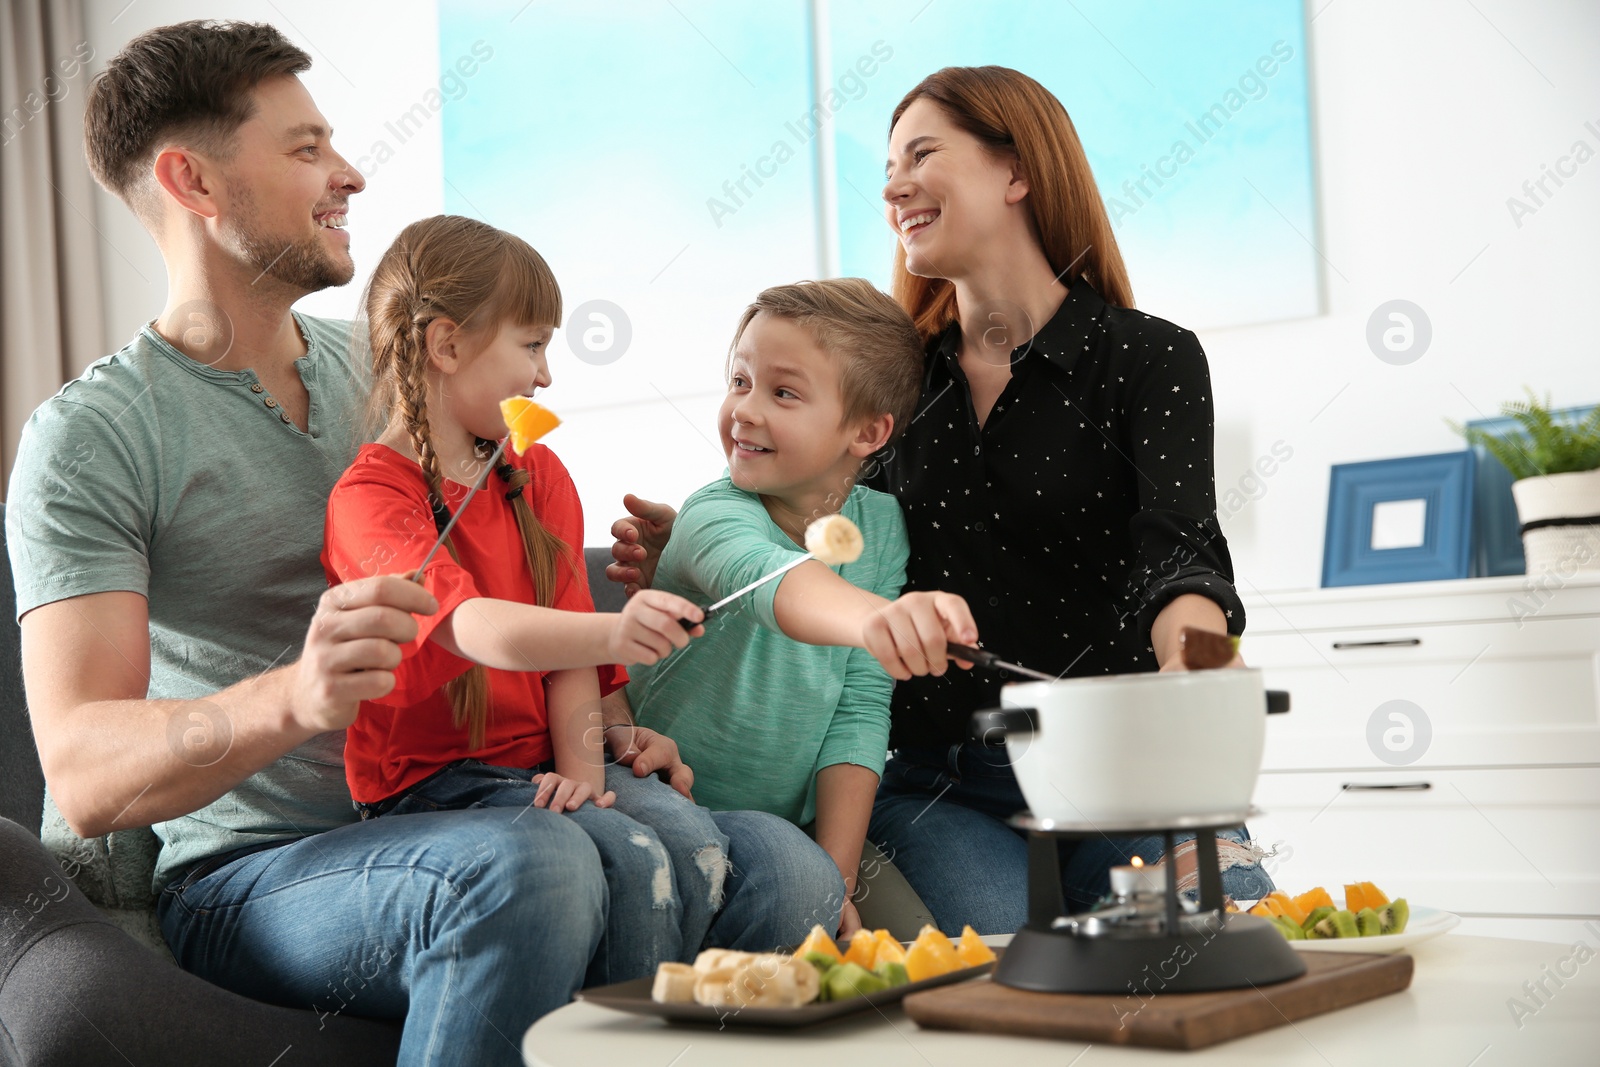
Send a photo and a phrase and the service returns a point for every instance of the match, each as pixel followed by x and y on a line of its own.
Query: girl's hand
pixel 567 794
pixel 911 635
pixel 648 630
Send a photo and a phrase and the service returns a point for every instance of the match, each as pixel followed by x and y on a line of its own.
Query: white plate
pixel 1425 923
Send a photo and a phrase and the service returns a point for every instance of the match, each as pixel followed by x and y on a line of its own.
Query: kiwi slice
pixel 1368 923
pixel 1316 916
pixel 1287 928
pixel 821 961
pixel 1340 923
pixel 1393 916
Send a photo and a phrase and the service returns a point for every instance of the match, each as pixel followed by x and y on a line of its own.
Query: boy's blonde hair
pixel 873 337
pixel 478 277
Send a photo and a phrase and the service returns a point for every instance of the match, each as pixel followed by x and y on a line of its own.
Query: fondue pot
pixel 1165 749
pixel 1136 753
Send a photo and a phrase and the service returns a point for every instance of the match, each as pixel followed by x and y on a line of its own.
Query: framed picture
pixel 1496 530
pixel 1400 520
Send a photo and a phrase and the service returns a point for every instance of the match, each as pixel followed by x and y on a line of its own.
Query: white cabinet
pixel 1444 742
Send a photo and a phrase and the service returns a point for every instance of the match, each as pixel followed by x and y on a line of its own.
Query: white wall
pixel 366 71
pixel 1427 119
pixel 1429 115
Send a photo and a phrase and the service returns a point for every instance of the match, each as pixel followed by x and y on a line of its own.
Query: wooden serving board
pixel 1163 1020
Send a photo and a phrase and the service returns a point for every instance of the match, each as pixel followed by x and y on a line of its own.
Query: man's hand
pixel 353 646
pixel 641 537
pixel 911 635
pixel 648 752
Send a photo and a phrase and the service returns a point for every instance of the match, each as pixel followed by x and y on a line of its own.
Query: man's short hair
pixel 191 81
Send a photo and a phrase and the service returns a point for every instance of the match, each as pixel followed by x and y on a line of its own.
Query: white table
pixel 1454 1014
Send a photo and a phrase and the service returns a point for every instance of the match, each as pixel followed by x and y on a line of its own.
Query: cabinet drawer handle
pixel 1387 787
pixel 1399 642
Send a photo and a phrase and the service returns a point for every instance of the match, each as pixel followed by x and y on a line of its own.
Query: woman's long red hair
pixel 1012 114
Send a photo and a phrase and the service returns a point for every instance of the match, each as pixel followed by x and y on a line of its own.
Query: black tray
pixel 634 997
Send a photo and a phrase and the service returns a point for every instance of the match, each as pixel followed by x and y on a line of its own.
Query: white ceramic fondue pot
pixel 1135 749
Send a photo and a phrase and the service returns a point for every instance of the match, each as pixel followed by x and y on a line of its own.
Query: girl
pixel 1058 476
pixel 496 701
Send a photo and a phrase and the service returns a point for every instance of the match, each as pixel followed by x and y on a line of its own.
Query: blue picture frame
pixel 1496 530
pixel 1443 482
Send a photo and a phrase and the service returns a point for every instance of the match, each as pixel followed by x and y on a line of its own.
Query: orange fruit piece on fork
pixel 526 420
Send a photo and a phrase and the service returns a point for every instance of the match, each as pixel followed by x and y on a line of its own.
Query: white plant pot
pixel 1563 511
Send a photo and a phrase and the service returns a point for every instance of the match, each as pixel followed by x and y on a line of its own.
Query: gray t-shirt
pixel 159 475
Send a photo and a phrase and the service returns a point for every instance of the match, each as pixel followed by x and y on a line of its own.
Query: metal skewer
pixel 476 485
pixel 995 663
pixel 735 595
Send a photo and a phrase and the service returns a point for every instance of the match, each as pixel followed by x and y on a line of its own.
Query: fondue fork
pixel 994 663
pixel 416 576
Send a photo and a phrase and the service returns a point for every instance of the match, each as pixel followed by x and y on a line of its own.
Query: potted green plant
pixel 1555 465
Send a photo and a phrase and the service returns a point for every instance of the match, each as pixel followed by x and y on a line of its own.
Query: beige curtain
pixel 50 307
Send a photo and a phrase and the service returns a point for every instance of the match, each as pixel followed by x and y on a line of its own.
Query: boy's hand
pixel 911 635
pixel 648 630
pixel 647 752
pixel 352 648
pixel 567 794
pixel 640 539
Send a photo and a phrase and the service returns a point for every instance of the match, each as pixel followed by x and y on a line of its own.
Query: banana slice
pixel 834 539
pixel 674 984
pixel 714 988
pixel 713 958
pixel 723 978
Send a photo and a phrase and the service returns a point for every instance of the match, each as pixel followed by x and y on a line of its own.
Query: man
pixel 186 665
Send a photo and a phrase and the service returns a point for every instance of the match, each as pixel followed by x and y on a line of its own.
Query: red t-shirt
pixel 379 522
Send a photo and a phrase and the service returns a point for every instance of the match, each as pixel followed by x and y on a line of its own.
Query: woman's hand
pixel 647 631
pixel 647 752
pixel 567 794
pixel 1183 612
pixel 1176 663
pixel 640 539
pixel 910 636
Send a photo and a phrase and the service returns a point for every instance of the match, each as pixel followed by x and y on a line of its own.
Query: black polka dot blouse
pixel 1082 506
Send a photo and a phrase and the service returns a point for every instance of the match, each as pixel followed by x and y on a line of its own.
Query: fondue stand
pixel 1144 927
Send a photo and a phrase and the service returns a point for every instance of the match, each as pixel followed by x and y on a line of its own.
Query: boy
pixel 780 707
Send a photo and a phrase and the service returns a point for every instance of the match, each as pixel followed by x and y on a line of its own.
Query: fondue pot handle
pixel 993 725
pixel 1277 701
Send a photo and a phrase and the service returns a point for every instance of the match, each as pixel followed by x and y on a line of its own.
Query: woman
pixel 1058 475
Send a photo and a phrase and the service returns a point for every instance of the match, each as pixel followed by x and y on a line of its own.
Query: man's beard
pixel 305 264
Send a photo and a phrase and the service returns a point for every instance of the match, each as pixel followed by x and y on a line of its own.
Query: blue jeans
pixel 664 858
pixel 469 924
pixel 940 817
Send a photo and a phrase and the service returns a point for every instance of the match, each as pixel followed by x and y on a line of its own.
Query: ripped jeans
pixel 940 817
pixel 471 922
pixel 664 858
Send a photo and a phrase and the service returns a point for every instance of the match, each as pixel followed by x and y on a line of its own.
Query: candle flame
pixel 1137 862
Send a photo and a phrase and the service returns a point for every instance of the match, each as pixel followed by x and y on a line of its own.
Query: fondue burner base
pixel 1194 952
pixel 1245 951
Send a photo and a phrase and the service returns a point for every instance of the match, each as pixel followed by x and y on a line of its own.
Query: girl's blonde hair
pixel 478 277
pixel 1013 115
